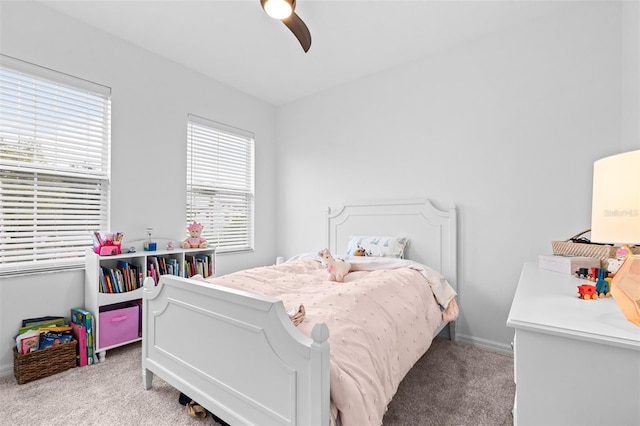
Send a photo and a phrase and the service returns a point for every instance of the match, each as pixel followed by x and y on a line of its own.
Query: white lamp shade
pixel 615 213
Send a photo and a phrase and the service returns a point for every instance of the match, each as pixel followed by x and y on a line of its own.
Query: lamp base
pixel 625 289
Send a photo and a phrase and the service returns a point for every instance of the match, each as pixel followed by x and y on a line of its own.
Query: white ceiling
pixel 235 42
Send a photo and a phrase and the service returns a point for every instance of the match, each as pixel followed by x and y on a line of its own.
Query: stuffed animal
pixel 359 251
pixel 336 268
pixel 614 264
pixel 194 240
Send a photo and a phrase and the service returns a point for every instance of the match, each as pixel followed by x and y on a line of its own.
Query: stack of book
pixel 198 264
pixel 82 324
pixel 43 332
pixel 162 265
pixel 124 277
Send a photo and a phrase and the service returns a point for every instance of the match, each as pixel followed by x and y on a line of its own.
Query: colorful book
pixel 123 266
pixel 43 322
pixel 80 333
pixel 135 276
pixel 205 265
pixel 29 344
pixel 83 317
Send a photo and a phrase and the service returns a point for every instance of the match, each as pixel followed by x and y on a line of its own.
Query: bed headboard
pixel 432 231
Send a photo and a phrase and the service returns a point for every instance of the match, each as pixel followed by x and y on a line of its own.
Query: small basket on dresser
pixel 44 362
pixel 575 247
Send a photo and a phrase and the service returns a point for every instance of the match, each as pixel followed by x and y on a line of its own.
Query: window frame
pixel 55 167
pixel 226 177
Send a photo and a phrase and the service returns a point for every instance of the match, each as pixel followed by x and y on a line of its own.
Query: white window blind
pixel 54 167
pixel 220 183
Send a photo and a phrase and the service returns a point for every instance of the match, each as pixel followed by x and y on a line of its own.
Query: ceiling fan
pixel 284 10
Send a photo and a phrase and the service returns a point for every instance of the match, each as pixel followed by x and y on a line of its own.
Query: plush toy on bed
pixel 337 268
pixel 359 251
pixel 194 240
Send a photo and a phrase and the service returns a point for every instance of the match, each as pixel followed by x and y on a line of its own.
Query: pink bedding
pixel 381 321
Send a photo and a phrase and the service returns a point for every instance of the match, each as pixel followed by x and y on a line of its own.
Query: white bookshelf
pixel 96 300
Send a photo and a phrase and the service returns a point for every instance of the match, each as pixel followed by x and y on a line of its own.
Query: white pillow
pixel 378 246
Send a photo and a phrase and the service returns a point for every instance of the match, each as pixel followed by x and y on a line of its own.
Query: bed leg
pixel 147 378
pixel 452 330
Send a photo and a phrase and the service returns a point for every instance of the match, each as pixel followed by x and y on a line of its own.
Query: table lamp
pixel 615 219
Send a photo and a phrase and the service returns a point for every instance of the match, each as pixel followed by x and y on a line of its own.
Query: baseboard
pixel 6 370
pixel 484 343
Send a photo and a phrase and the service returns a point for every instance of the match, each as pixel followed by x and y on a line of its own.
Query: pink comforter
pixel 381 321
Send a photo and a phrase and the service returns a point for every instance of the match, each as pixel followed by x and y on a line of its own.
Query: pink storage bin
pixel 118 326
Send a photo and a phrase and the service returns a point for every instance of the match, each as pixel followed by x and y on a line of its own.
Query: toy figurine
pixel 336 268
pixel 194 240
pixel 587 291
pixel 602 285
pixel 359 251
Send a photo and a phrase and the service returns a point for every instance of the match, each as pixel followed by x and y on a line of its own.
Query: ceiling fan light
pixel 278 9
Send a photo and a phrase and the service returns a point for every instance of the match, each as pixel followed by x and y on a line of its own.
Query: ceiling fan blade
pixel 299 29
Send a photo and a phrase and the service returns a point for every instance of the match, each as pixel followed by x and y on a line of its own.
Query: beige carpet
pixel 453 384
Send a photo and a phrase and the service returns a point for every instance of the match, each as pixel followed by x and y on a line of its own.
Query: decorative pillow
pixel 378 246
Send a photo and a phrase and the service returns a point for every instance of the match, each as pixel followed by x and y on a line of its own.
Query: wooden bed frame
pixel 238 354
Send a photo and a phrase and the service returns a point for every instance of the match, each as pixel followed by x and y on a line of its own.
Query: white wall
pixel 150 101
pixel 630 74
pixel 507 127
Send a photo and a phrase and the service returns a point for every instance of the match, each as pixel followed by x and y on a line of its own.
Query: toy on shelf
pixel 149 245
pixel 602 287
pixel 195 239
pixel 613 265
pixel 587 291
pixel 336 268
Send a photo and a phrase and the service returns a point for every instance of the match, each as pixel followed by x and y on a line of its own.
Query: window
pixel 54 167
pixel 220 187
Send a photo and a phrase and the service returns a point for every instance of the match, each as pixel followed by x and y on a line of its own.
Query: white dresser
pixel 577 362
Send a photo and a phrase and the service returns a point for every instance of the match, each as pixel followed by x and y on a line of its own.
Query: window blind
pixel 220 183
pixel 54 167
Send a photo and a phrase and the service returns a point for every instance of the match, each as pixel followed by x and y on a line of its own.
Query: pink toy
pixel 194 240
pixel 336 268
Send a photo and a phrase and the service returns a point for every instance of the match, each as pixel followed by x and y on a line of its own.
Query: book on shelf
pixel 173 266
pixel 124 274
pixel 162 265
pixel 83 317
pixel 124 277
pixel 205 264
pixel 189 265
pixel 154 268
pixel 111 282
pixel 134 276
pixel 80 333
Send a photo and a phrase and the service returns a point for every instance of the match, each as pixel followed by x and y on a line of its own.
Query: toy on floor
pixel 337 268
pixel 194 240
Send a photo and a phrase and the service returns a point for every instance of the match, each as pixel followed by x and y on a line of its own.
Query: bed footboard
pixel 263 371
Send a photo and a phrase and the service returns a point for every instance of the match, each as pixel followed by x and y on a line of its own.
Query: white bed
pixel 238 354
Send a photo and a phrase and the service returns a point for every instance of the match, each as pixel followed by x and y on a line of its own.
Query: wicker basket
pixel 44 362
pixel 575 248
